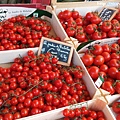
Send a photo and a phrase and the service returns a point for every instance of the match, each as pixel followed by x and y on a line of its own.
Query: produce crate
pixel 83 8
pixel 14 11
pixel 96 104
pixel 56 114
pixel 81 52
pixel 111 99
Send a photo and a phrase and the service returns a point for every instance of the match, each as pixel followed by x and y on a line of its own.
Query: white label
pixel 8 12
pixel 112 4
pixel 98 82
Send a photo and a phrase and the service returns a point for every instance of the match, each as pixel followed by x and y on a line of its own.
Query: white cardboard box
pixel 83 8
pixel 55 114
pixel 101 42
pixel 14 11
pixel 95 104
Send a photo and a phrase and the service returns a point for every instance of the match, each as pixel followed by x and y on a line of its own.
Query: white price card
pixel 112 4
pixel 99 81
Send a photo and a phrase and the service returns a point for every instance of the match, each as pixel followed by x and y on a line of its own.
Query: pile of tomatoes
pixel 116 109
pixel 104 61
pixel 35 84
pixel 83 113
pixel 21 32
pixel 90 26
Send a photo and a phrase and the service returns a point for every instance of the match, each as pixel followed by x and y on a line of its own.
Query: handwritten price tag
pixel 61 50
pixel 107 13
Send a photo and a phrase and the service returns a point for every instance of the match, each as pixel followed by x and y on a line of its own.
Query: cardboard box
pixel 111 99
pixel 56 114
pixel 100 42
pixel 96 104
pixel 13 11
pixel 82 8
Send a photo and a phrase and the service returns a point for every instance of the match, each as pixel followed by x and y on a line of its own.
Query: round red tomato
pixel 117 87
pixel 89 15
pixel 112 33
pixel 90 29
pixel 75 14
pixel 70 31
pixel 95 19
pixel 98 60
pixel 94 72
pixel 67 14
pixel 106 26
pixel 97 49
pixel 116 107
pixel 107 85
pixel 81 36
pixel 118 117
pixel 96 35
pixel 112 72
pixel 87 59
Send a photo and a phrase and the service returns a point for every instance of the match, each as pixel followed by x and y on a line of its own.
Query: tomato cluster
pixel 89 27
pixel 116 109
pixel 83 113
pixel 21 32
pixel 104 61
pixel 35 84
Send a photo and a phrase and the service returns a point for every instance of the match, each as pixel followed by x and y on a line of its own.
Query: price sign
pixel 107 13
pixel 61 50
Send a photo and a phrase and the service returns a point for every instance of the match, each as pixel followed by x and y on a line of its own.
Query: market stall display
pixel 36 84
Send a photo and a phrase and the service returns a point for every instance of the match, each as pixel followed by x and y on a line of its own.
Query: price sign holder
pixel 61 50
pixel 107 13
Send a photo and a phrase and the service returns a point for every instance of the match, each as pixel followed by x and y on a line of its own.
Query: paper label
pixel 112 4
pixel 99 81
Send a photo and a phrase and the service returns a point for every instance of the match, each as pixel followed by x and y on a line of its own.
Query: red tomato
pixel 118 75
pixel 116 107
pixel 90 29
pixel 98 60
pixel 95 19
pixel 81 36
pixel 106 48
pixel 115 47
pixel 97 49
pixel 117 16
pixel 104 68
pixel 71 23
pixel 96 35
pixel 118 117
pixel 108 86
pixel 117 87
pixel 67 14
pixel 75 14
pixel 79 21
pixel 106 26
pixel 114 63
pixel 106 56
pixel 112 72
pixel 94 72
pixel 112 33
pixel 70 31
pixel 89 15
pixel 87 59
